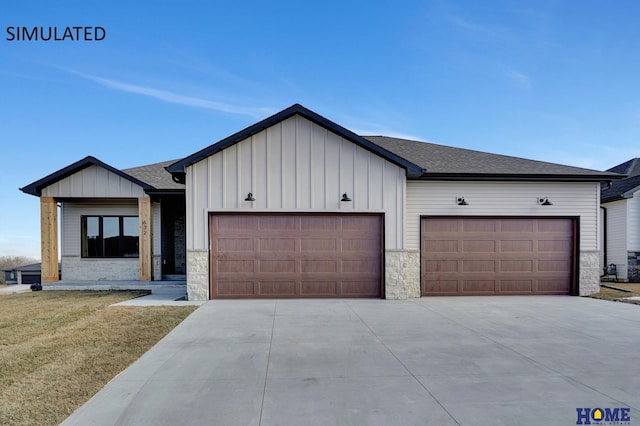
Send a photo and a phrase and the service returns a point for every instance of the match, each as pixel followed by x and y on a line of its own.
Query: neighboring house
pixel 26 274
pixel 621 221
pixel 298 206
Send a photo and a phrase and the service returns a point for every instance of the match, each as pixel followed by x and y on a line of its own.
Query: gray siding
pixel 295 166
pixel 93 182
pixel 617 236
pixel 633 224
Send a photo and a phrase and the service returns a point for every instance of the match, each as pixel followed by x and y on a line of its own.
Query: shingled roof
pixel 155 175
pixel 450 163
pixel 623 188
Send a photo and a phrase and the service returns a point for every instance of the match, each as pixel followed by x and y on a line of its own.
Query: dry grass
pixel 58 348
pixel 617 295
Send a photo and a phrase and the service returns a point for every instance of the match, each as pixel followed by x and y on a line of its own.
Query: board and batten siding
pixel 71 222
pixel 438 198
pixel 294 166
pixel 617 236
pixel 93 182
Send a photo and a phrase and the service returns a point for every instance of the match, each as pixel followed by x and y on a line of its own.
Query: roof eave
pixel 516 177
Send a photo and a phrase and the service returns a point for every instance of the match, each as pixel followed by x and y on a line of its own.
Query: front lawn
pixel 609 293
pixel 58 348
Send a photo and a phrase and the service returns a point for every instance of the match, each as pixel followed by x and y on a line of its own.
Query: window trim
pixel 121 242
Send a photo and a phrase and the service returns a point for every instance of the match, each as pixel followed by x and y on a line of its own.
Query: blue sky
pixel 548 80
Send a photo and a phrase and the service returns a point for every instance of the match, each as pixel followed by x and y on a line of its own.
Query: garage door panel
pixel 319 288
pixel 288 255
pixel 516 286
pixel 235 244
pixel 516 225
pixel 560 226
pixel 478 225
pixel 318 266
pixel 235 266
pixel 317 244
pixel 441 246
pixel 478 246
pixel 516 266
pixel 277 244
pixel 236 288
pixel 473 266
pixel 441 287
pixel 355 288
pixel 277 288
pixel 279 266
pixel 516 246
pixel 521 256
pixel 555 246
pixel 479 286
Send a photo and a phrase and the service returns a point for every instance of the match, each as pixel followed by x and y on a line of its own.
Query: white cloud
pixel 166 96
pixel 520 79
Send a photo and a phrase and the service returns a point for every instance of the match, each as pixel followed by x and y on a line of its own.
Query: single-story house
pixel 298 206
pixel 620 208
pixel 25 274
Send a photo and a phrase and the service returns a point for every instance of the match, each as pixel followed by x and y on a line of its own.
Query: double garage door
pixel 288 255
pixel 341 255
pixel 490 256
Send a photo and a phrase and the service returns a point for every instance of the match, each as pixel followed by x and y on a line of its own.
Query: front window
pixel 110 236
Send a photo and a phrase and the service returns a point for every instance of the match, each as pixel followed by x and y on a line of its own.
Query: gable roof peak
pixel 36 187
pixel 178 169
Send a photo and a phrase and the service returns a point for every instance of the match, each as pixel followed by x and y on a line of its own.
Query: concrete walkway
pixel 431 361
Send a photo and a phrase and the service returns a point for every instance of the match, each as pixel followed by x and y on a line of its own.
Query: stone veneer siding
pixel 157 268
pixel 589 280
pixel 198 274
pixel 402 274
pixel 633 266
pixel 78 269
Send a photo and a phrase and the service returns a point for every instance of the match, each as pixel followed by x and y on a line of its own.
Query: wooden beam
pixel 146 240
pixel 49 239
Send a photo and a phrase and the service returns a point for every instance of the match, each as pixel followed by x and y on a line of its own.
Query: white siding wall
pixel 633 222
pixel 617 236
pixel 504 199
pixel 71 213
pixel 295 166
pixel 93 182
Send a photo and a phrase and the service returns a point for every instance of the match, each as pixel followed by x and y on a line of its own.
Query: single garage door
pixel 287 255
pixel 493 256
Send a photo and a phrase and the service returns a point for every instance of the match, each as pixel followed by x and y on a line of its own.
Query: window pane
pixel 130 233
pixel 91 237
pixel 111 236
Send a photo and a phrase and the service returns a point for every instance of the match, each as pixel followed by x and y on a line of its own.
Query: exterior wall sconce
pixel 250 197
pixel 345 198
pixel 544 201
pixel 461 202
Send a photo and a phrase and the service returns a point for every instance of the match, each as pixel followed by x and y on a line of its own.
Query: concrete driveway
pixel 434 361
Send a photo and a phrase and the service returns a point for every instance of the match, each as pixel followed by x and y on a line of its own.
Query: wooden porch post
pixel 49 239
pixel 146 232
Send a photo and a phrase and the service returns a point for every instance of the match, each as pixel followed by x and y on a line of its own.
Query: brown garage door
pixel 482 256
pixel 284 255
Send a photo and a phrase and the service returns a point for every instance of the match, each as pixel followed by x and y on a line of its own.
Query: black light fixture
pixel 544 201
pixel 250 197
pixel 461 202
pixel 345 198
